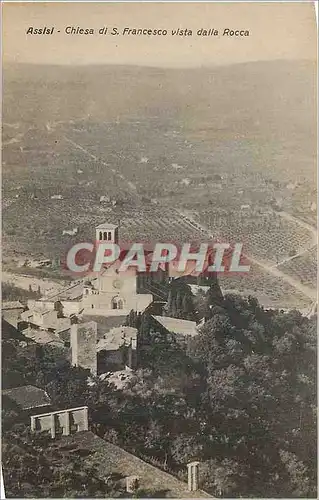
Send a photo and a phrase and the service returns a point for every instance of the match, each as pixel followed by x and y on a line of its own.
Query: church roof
pixel 107 225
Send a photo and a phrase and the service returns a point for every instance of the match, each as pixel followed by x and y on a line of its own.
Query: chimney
pixel 134 343
pixel 193 474
pixel 132 484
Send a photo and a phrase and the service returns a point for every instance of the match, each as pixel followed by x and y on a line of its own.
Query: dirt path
pixel 301 223
pixel 299 254
pixel 99 160
pixel 310 293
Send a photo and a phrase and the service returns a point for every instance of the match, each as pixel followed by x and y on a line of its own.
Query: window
pixel 101 235
pixel 74 428
pixel 117 303
pixel 58 425
pixel 38 424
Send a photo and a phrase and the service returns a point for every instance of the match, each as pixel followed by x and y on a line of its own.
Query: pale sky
pixel 277 31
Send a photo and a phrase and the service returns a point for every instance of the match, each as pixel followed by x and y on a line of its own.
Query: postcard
pixel 159 249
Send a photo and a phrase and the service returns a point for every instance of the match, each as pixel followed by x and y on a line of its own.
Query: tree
pixel 188 309
pixel 261 395
pixel 68 386
pixel 131 319
pixel 241 399
pixel 185 448
pixel 34 465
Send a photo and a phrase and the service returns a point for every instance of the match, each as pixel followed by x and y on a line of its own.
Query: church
pixel 111 292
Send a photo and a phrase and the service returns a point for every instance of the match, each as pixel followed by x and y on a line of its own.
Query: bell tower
pixel 107 233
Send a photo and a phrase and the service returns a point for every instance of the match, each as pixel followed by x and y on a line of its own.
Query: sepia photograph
pixel 159 249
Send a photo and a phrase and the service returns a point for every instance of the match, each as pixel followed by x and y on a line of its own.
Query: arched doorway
pixel 117 303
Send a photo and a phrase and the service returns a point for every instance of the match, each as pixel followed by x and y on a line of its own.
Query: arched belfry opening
pixel 107 233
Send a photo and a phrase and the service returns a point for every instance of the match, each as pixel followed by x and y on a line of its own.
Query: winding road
pixel 307 291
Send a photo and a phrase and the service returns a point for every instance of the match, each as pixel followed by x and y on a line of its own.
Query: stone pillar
pixel 132 484
pixel 193 476
pixel 85 419
pixel 74 344
pixel 134 343
pixel 32 424
pixel 66 429
pixel 52 425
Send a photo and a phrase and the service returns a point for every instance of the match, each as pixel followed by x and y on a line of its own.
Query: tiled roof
pixel 109 458
pixel 106 225
pixel 177 326
pixel 14 304
pixel 49 317
pixel 198 288
pixel 9 331
pixel 28 396
pixel 42 336
pixel 104 323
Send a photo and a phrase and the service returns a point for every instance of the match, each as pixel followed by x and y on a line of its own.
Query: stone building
pixel 83 340
pixel 112 292
pixel 117 349
pixel 180 329
pixel 11 312
pixel 43 315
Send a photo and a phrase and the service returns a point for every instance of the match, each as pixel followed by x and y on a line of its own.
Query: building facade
pixel 112 292
pixel 64 422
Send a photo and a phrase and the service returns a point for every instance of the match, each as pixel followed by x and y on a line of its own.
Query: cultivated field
pixel 265 236
pixel 303 267
pixel 159 144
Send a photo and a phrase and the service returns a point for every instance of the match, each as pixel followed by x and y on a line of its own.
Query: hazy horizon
pixel 128 65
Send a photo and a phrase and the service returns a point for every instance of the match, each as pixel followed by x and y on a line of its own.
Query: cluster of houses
pixel 87 319
pixel 86 323
pixel 91 342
